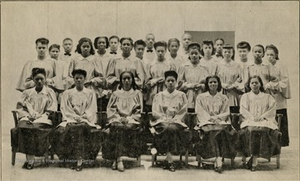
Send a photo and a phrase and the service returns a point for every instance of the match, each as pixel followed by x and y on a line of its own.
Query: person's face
pixel 85 49
pixel 213 84
pixel 67 45
pixel 79 80
pixel 170 83
pixel 227 53
pixel 39 80
pixel 270 54
pixel 186 40
pixel 127 80
pixel 101 44
pixel 243 52
pixel 139 50
pixel 41 49
pixel 219 46
pixel 54 53
pixel 255 85
pixel 258 53
pixel 173 47
pixel 160 52
pixel 207 49
pixel 194 55
pixel 126 46
pixel 113 44
pixel 150 40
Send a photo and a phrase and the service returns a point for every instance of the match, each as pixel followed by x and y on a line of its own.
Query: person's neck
pixel 101 51
pixel 255 91
pixel 173 55
pixel 85 56
pixel 38 89
pixel 126 55
pixel 196 63
pixel 258 61
pixel 244 60
pixel 139 56
pixel 79 87
pixel 213 92
pixel 170 90
pixel 125 88
pixel 273 62
pixel 227 60
pixel 207 57
pixel 41 57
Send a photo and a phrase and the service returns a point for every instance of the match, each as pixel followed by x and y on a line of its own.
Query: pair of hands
pixel 258 119
pixel 215 120
pixel 195 86
pixel 79 119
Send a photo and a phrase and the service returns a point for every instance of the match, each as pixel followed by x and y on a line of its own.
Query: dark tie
pixel 113 53
pixel 150 50
pixel 69 54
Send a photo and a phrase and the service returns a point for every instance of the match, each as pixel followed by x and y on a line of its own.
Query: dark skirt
pixel 285 141
pixel 217 141
pixel 31 138
pixel 172 137
pixel 259 141
pixel 122 140
pixel 76 141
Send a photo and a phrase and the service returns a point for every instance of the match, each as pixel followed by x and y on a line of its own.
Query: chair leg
pixel 269 160
pixel 199 161
pixel 46 159
pixel 186 160
pixel 13 157
pixel 278 161
pixel 138 164
pixel 153 160
pixel 180 157
pixel 232 163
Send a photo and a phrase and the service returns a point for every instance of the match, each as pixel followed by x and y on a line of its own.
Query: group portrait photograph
pixel 149 90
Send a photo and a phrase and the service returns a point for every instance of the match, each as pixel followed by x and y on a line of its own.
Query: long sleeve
pixel 111 75
pixel 25 80
pixel 270 114
pixel 180 114
pixel 112 110
pixel 244 108
pixel 284 83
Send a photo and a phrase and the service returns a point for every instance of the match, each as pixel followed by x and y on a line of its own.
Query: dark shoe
pixel 219 169
pixel 172 167
pixel 249 163
pixel 79 168
pixel 253 168
pixel 114 166
pixel 121 166
pixel 25 165
pixel 165 165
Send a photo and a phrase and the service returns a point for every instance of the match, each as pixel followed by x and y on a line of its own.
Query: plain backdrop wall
pixel 255 22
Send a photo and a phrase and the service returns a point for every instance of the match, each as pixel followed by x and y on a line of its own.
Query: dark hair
pixel 244 44
pixel 133 85
pixel 173 40
pixel 126 38
pixel 171 73
pixel 228 47
pixel 274 48
pixel 67 39
pixel 210 77
pixel 43 41
pixel 96 41
pixel 79 71
pixel 139 42
pixel 83 40
pixel 54 46
pixel 194 45
pixel 259 45
pixel 36 71
pixel 208 42
pixel 114 36
pixel 160 43
pixel 247 85
pixel 220 39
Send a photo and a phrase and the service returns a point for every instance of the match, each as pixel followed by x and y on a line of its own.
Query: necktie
pixel 69 54
pixel 149 50
pixel 113 53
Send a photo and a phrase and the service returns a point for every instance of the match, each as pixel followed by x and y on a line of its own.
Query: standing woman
pixel 279 88
pixel 34 126
pixel 156 81
pixel 173 47
pixel 229 72
pixel 192 76
pixel 127 62
pixel 124 114
pixel 259 134
pixel 208 61
pixel 94 79
pixel 218 138
pixel 102 58
pixel 42 61
pixel 169 108
pixel 77 137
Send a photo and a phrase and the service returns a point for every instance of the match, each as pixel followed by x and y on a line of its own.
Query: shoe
pixel 165 165
pixel 249 163
pixel 25 165
pixel 114 166
pixel 219 169
pixel 172 167
pixel 79 168
pixel 253 168
pixel 28 166
pixel 121 166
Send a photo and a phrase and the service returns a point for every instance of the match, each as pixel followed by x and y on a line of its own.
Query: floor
pixel 289 169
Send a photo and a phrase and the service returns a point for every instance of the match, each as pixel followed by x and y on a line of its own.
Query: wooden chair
pixel 13 134
pixel 236 122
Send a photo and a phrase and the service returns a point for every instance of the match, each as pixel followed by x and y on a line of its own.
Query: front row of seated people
pixel 79 138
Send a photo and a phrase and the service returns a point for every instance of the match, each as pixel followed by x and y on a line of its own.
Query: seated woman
pixel 217 137
pixel 34 126
pixel 169 109
pixel 259 130
pixel 123 114
pixel 77 137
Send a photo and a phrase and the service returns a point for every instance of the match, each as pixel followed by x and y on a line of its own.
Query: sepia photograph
pixel 149 90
